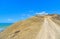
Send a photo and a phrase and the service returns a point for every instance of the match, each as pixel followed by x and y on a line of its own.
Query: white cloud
pixel 42 13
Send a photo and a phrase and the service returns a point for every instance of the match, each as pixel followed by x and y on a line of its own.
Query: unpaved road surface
pixel 49 30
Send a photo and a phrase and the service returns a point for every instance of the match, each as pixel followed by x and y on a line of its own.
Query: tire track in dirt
pixel 49 30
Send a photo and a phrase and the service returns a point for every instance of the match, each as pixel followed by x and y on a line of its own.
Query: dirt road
pixel 49 30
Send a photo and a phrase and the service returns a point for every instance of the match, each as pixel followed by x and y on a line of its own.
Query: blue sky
pixel 15 10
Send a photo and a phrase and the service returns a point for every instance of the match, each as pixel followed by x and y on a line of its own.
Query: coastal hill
pixel 36 27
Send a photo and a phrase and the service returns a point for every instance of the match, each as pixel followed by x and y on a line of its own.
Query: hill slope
pixel 37 27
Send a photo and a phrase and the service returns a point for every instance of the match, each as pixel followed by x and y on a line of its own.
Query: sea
pixel 4 26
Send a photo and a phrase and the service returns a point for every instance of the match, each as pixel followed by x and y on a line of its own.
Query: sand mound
pixel 37 27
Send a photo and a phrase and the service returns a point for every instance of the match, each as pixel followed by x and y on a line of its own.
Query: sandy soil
pixel 50 30
pixel 34 28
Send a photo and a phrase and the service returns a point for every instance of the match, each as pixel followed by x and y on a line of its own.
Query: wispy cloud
pixel 10 19
pixel 42 13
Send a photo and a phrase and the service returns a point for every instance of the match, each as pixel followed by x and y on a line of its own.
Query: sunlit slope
pixel 37 27
pixel 21 30
pixel 50 29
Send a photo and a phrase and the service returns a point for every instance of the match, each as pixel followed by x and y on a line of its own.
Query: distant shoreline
pixel 3 26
